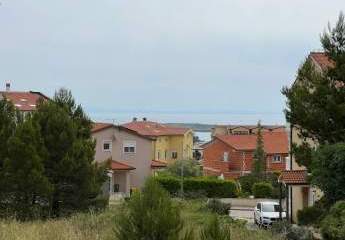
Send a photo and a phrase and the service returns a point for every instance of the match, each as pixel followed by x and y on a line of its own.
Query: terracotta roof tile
pixel 153 129
pixel 322 60
pixel 294 177
pixel 24 101
pixel 115 165
pixel 158 164
pixel 274 142
pixel 98 126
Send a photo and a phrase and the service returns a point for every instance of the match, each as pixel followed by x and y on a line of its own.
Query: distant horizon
pixel 192 118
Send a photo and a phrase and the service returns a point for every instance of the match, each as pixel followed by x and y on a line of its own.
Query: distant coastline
pixel 197 127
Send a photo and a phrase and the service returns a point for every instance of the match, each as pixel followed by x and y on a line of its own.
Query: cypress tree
pixel 259 156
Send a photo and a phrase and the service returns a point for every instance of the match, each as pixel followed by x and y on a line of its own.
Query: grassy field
pixel 91 226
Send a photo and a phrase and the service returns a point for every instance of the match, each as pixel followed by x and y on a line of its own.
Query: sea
pixel 120 117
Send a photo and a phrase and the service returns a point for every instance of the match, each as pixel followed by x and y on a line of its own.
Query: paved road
pixel 244 214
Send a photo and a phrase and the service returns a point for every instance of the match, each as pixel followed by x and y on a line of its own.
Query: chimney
pixel 135 119
pixel 8 86
pixel 144 119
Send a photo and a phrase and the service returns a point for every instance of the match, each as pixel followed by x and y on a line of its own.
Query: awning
pixel 115 165
pixel 158 164
pixel 294 177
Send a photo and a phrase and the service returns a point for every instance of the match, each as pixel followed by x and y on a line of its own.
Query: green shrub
pixel 262 190
pixel 247 182
pixel 333 226
pixel 217 206
pixel 299 233
pixel 150 214
pixel 309 215
pixel 171 184
pixel 289 232
pixel 191 168
pixel 212 188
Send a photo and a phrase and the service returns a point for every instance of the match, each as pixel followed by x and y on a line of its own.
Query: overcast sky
pixel 165 56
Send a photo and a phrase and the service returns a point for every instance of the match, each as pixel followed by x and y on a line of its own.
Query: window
pixel 174 155
pixel 258 206
pixel 276 159
pixel 225 156
pixel 129 146
pixel 158 155
pixel 107 145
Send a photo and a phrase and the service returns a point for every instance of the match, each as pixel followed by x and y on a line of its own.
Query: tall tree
pixel 259 157
pixel 9 117
pixel 316 103
pixel 27 188
pixel 66 133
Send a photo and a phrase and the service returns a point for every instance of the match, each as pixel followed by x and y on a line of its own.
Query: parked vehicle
pixel 266 213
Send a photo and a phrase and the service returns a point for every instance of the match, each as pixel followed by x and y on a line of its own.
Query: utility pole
pixel 182 175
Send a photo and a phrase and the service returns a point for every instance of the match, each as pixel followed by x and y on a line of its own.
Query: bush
pixel 149 214
pixel 290 232
pixel 247 182
pixel 299 233
pixel 309 215
pixel 217 206
pixel 212 188
pixel 191 168
pixel 332 227
pixel 262 190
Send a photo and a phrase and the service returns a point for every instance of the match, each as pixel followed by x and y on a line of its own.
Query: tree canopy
pixel 316 107
pixel 47 165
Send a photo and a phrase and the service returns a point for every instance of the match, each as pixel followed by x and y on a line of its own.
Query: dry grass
pixel 91 226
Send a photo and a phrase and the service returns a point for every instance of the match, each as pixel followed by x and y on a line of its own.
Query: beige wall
pixel 141 159
pixel 219 130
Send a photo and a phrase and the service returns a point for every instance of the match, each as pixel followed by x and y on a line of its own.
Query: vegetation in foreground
pixel 150 214
pixel 100 226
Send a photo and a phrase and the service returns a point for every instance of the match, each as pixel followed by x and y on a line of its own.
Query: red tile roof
pixel 24 101
pixel 158 164
pixel 274 142
pixel 115 165
pixel 98 126
pixel 322 60
pixel 153 129
pixel 292 177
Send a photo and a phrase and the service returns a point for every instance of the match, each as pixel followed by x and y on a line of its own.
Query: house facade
pixel 231 156
pixel 172 143
pixel 245 129
pixel 129 155
pixel 300 193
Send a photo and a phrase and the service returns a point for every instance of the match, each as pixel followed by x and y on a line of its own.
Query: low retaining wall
pixel 248 202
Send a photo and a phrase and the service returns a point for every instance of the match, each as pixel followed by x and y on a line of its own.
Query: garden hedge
pixel 212 188
pixel 262 190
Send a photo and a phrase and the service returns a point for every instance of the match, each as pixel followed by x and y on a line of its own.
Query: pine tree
pixel 259 156
pixel 8 120
pixel 66 133
pixel 27 188
pixel 315 106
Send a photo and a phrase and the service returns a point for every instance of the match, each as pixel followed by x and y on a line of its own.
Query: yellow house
pixel 171 143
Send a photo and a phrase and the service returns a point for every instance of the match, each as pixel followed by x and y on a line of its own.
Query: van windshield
pixel 270 208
